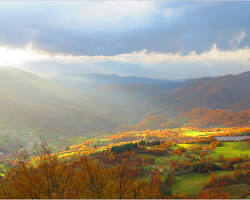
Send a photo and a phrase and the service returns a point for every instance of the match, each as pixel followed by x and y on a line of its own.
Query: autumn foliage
pixel 50 177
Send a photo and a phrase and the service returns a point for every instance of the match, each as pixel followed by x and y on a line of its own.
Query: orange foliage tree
pixel 48 177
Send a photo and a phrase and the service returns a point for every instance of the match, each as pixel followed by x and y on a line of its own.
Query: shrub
pixel 124 148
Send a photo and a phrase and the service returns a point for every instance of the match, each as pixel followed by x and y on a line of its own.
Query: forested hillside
pixel 226 92
pixel 199 117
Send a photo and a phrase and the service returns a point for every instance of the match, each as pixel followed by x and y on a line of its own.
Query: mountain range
pixel 147 98
pixel 83 103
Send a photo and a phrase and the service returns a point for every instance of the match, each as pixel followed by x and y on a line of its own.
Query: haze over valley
pixel 82 104
pixel 124 100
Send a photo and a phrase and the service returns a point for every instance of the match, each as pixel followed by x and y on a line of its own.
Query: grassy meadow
pixel 232 149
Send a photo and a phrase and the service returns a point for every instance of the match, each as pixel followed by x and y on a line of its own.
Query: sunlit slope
pixel 27 100
pixel 225 92
pixel 199 117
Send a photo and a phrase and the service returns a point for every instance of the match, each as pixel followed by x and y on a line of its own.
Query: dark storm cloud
pixel 169 28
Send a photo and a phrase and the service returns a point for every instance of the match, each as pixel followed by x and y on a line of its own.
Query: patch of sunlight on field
pixel 181 146
pixel 232 149
pixel 185 145
pixel 194 133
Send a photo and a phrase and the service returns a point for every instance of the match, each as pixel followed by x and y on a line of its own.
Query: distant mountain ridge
pixel 226 92
pixel 113 78
pixel 152 97
pixel 88 82
pixel 80 103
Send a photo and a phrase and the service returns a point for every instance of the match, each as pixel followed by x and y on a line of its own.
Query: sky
pixel 161 39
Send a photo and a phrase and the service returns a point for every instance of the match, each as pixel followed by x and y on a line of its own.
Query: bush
pixel 204 167
pixel 124 148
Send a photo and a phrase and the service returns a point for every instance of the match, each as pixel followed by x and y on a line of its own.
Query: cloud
pixel 111 28
pixel 27 54
pixel 237 39
pixel 112 12
pixel 140 63
pixel 214 54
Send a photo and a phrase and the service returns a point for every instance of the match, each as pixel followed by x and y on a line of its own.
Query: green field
pixel 232 149
pixel 191 183
pixel 163 160
pixel 181 146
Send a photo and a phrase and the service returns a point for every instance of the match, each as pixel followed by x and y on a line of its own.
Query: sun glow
pixel 18 57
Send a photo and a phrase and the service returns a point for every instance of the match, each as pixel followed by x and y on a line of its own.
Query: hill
pixel 29 101
pixel 205 102
pixel 138 95
pixel 225 92
pixel 172 97
pixel 147 100
pixel 198 117
pixel 204 117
